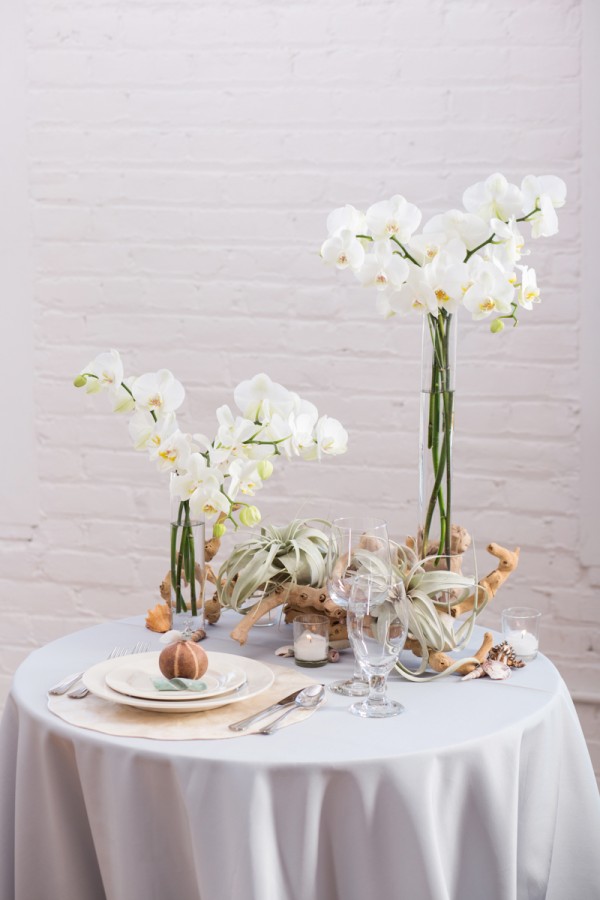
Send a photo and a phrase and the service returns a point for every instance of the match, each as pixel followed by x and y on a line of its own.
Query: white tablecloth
pixel 481 791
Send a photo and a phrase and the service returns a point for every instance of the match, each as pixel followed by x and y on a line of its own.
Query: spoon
pixel 309 698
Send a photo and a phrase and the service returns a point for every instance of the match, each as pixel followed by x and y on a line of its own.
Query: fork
pixel 140 647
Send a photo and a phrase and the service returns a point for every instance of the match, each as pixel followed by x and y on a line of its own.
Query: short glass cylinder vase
pixel 187 571
pixel 438 366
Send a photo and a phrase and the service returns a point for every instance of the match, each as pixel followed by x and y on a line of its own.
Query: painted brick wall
pixel 183 156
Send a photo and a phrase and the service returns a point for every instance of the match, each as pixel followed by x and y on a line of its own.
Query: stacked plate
pixel 130 681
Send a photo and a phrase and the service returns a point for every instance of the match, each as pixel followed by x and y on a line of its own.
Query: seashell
pixel 505 653
pixel 333 656
pixel 495 669
pixel 159 618
pixel 477 672
pixel 287 650
pixel 170 636
pixel 198 635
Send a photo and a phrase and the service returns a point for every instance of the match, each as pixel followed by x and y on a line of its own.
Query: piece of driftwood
pixel 297 598
pixel 159 617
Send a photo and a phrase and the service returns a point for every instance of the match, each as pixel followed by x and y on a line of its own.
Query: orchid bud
pixel 265 469
pixel 250 515
pixel 219 530
pixel 496 326
pixel 80 381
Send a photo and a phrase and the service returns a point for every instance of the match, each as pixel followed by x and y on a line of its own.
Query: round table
pixel 481 789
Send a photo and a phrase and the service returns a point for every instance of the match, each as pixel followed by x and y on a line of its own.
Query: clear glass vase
pixel 438 368
pixel 187 570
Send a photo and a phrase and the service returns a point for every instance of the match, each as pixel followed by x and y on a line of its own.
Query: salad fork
pixel 140 647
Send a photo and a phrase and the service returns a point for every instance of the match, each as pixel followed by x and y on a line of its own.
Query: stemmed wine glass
pixel 377 621
pixel 358 545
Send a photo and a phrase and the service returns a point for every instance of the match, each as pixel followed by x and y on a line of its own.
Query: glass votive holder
pixel 521 628
pixel 311 640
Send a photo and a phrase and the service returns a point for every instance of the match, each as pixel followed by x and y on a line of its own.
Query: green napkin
pixel 178 684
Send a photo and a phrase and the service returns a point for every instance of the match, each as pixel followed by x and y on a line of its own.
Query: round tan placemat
pixel 114 718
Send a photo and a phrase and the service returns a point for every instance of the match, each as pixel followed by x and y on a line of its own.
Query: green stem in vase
pixel 191 559
pixel 440 408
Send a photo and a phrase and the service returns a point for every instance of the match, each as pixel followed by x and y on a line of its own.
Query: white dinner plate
pixel 135 676
pixel 258 679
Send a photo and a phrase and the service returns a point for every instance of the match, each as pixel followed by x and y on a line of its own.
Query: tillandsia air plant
pixel 210 479
pixel 431 624
pixel 277 555
pixel 467 258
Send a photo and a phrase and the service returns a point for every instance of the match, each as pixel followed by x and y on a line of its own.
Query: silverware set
pixel 70 681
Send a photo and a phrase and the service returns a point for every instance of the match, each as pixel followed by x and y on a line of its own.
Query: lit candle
pixel 523 643
pixel 310 647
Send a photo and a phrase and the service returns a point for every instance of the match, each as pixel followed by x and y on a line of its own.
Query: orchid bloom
pixel 148 433
pixel 343 251
pixel 201 485
pixel 528 292
pixel 545 194
pixel 383 268
pixel 488 290
pixel 104 373
pixel 346 218
pixel 244 477
pixel 173 452
pixel 331 437
pixel 493 198
pixel 159 392
pixel 395 218
pixel 260 397
pixel 457 225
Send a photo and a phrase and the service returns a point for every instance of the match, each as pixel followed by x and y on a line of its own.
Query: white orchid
pixel 508 245
pixel 173 452
pixel 528 292
pixel 436 286
pixel 159 392
pixel 201 486
pixel 454 225
pixel 233 431
pixel 395 218
pixel 344 251
pixel 303 432
pixel 244 477
pixel 148 433
pixel 488 290
pixel 104 373
pixel 331 437
pixel 383 268
pixel 493 198
pixel 346 218
pixel 544 194
pixel 260 398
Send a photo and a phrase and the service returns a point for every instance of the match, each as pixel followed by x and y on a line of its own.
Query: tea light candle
pixel 523 643
pixel 309 647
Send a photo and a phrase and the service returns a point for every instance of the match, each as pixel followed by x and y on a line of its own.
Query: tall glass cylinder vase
pixel 435 438
pixel 187 569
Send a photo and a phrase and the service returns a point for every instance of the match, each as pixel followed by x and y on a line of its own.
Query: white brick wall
pixel 182 159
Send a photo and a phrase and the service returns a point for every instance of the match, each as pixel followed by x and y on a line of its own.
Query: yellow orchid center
pixel 391 227
pixel 442 296
pixel 155 402
pixel 169 455
pixel 431 252
pixel 381 279
pixel 532 295
pixel 342 259
pixel 487 305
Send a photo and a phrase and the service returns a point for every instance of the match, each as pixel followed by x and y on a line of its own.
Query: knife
pixel 275 707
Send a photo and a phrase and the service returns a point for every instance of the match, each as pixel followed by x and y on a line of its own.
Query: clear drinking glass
pixel 377 628
pixel 358 545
